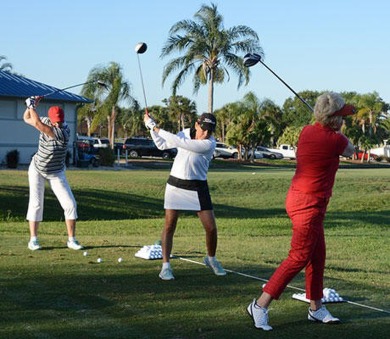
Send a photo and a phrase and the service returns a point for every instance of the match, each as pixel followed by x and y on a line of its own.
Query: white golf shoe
pixel 74 245
pixel 215 266
pixel 33 245
pixel 166 274
pixel 322 315
pixel 259 316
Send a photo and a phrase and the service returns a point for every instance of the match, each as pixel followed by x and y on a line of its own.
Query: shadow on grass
pixel 379 218
pixel 114 205
pixel 92 300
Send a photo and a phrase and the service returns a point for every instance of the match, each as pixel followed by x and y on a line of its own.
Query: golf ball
pixel 120 259
pixel 100 260
pixel 85 253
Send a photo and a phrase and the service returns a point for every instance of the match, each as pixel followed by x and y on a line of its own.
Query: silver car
pixel 263 152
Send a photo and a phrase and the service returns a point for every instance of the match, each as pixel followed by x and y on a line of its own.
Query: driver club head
pixel 141 48
pixel 251 59
pixel 102 84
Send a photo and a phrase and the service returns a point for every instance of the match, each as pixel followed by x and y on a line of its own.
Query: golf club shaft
pixel 298 96
pixel 142 81
pixel 69 87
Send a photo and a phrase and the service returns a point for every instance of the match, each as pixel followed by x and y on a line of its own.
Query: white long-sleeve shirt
pixel 193 156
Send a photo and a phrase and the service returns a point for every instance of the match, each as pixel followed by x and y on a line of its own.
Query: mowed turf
pixel 60 293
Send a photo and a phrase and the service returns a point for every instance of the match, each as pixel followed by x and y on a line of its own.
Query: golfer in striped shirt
pixel 187 187
pixel 48 164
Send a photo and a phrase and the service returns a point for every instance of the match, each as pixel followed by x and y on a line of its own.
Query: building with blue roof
pixel 14 132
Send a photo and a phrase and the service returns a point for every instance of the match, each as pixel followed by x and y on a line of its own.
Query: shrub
pixel 106 157
pixel 12 158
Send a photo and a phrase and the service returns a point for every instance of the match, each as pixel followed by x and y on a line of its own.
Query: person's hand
pixel 32 102
pixel 149 122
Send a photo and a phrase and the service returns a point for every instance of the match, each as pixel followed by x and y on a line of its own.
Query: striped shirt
pixel 51 154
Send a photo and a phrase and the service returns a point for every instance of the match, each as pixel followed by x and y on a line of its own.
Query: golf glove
pixel 150 124
pixel 32 102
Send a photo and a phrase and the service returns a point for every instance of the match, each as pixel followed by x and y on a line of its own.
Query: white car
pixel 94 142
pixel 225 151
pixel 101 142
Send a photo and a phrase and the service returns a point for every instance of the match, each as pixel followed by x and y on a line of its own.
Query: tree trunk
pixel 108 126
pixel 111 135
pixel 88 120
pixel 211 93
pixel 182 121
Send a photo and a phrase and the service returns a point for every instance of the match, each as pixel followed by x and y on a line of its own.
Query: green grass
pixel 59 293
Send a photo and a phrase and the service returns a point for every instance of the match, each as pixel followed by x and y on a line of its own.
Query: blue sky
pixel 313 45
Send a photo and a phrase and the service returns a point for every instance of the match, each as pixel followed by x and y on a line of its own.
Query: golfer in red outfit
pixel 319 148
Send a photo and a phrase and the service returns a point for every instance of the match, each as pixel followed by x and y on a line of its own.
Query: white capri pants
pixel 60 188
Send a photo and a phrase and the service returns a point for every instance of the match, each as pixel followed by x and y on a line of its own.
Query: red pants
pixel 307 213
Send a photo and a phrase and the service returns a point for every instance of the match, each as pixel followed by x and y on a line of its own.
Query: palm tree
pixel 131 120
pixel 223 116
pixel 107 102
pixel 370 108
pixel 208 50
pixel 181 110
pixel 272 114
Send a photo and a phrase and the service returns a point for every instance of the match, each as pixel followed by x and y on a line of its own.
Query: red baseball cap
pixel 345 110
pixel 56 114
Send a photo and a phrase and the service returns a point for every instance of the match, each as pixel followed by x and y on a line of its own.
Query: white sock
pixel 71 239
pixel 33 238
pixel 166 265
pixel 212 259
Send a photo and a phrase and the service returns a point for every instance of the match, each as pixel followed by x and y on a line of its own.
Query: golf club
pixel 252 59
pixel 141 48
pixel 99 82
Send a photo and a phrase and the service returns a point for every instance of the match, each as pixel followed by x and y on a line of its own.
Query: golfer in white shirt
pixel 187 187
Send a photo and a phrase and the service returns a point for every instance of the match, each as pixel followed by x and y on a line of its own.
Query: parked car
pixel 224 151
pixel 94 142
pixel 140 147
pixel 287 151
pixel 118 146
pixel 86 159
pixel 86 153
pixel 83 145
pixel 263 152
pixel 101 142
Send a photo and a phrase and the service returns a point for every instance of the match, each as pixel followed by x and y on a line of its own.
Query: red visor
pixel 345 110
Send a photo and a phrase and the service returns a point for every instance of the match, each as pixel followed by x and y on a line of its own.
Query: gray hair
pixel 326 104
